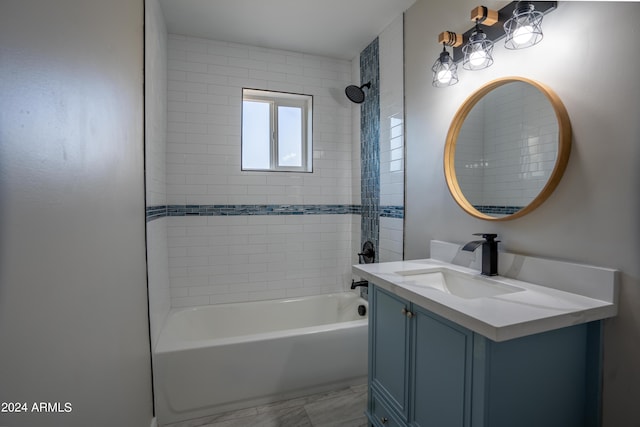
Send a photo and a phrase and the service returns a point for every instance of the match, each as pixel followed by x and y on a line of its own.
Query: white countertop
pixel 502 317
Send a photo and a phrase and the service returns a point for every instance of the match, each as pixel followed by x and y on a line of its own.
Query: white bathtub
pixel 217 358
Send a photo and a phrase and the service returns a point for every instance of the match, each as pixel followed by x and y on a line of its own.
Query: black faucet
pixel 489 252
pixel 355 284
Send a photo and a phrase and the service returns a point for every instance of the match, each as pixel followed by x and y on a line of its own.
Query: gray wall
pixel 73 302
pixel 593 216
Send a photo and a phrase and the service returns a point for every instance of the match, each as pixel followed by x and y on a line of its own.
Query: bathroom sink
pixel 534 295
pixel 459 284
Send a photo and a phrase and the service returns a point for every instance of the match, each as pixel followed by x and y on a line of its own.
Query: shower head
pixel 355 93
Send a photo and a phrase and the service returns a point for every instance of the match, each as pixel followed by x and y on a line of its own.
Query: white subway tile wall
pixel 391 138
pixel 155 104
pixel 391 239
pixel 220 259
pixel 158 276
pixel 356 243
pixel 205 81
pixel 155 164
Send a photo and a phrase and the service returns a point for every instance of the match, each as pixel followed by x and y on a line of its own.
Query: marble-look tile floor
pixel 338 408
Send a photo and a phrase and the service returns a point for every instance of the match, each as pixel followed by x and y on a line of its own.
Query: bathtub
pixel 225 357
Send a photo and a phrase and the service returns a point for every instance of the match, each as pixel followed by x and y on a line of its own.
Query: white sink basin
pixel 537 295
pixel 458 284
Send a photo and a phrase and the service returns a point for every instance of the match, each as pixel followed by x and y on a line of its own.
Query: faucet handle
pixel 488 236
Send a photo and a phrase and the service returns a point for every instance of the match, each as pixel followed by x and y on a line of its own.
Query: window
pixel 276 131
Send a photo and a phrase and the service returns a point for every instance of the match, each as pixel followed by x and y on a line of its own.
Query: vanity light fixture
pixel 445 70
pixel 520 22
pixel 524 28
pixel 477 51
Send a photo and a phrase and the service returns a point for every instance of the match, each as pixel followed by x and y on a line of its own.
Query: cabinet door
pixel 547 379
pixel 389 355
pixel 441 366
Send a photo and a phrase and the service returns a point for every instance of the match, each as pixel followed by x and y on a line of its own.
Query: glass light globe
pixel 444 76
pixel 445 71
pixel 523 35
pixel 477 51
pixel 478 57
pixel 524 28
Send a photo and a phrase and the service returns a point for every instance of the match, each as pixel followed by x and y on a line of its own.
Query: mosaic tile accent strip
pixel 392 211
pixel 497 210
pixel 155 212
pixel 161 211
pixel 370 145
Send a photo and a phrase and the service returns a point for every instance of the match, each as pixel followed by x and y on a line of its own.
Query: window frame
pixel 277 99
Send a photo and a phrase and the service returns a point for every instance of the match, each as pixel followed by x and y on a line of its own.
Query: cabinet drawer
pixel 380 415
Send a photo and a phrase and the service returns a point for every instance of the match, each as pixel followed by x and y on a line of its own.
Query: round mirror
pixel 507 148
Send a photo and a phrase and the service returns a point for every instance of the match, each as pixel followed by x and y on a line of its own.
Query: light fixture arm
pixel 523 6
pixel 477 29
pixel 484 16
pixel 450 38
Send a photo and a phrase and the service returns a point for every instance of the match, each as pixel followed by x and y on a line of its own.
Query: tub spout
pixel 355 284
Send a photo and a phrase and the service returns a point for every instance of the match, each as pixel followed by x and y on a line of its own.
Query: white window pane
pixel 289 136
pixel 256 131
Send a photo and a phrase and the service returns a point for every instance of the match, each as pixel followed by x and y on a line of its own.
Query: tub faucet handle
pixel 368 254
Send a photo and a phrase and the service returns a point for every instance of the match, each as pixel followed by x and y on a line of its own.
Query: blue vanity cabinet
pixel 441 368
pixel 389 352
pixel 551 379
pixel 427 371
pixel 420 366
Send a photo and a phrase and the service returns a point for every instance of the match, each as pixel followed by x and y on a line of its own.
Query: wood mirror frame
pixel 564 148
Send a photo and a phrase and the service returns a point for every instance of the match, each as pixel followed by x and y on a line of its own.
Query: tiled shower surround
pixel 382 143
pixel 235 235
pixel 205 81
